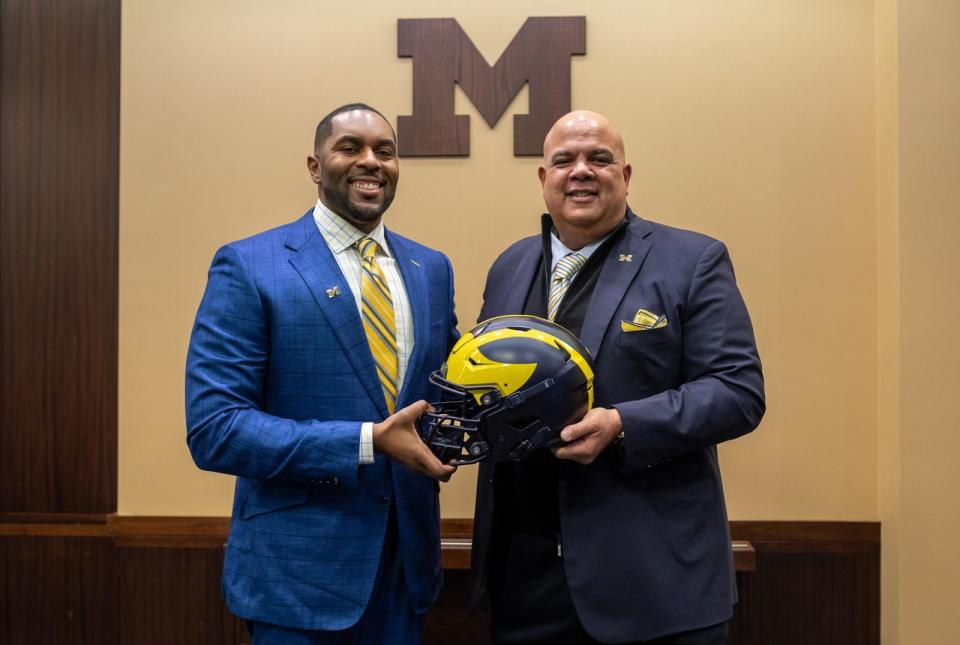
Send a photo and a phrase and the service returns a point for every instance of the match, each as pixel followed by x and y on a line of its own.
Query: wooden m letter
pixel 443 55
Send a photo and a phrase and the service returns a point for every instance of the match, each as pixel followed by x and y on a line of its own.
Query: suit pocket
pixel 273 496
pixel 645 338
pixel 685 493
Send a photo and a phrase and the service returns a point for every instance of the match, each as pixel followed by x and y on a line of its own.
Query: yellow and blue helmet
pixel 512 383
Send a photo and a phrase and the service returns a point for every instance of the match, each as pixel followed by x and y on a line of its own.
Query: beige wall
pixel 888 319
pixel 929 192
pixel 751 121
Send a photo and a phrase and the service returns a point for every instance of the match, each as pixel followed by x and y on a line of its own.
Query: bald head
pixel 580 123
pixel 584 177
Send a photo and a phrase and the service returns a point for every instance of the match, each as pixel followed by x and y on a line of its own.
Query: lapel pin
pixel 626 257
pixel 333 293
pixel 415 262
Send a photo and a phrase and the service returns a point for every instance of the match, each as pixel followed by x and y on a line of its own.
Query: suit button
pixel 385 501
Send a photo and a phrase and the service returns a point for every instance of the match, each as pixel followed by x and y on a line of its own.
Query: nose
pixel 368 159
pixel 581 169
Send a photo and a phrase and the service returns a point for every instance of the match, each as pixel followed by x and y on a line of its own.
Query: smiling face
pixel 584 177
pixel 355 168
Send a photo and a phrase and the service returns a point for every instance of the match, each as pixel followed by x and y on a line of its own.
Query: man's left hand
pixel 587 438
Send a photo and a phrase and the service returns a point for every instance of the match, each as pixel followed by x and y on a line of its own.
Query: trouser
pixel 530 601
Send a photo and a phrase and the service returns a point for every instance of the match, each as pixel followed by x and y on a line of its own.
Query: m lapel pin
pixel 626 257
pixel 333 292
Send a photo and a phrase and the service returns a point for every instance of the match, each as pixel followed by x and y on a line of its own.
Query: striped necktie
pixel 563 275
pixel 376 307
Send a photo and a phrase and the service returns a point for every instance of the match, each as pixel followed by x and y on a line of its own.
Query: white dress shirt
pixel 558 250
pixel 341 238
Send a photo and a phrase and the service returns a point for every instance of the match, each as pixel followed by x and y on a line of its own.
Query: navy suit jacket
pixel 279 379
pixel 646 541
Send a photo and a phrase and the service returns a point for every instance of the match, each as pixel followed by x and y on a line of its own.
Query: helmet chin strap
pixel 518 398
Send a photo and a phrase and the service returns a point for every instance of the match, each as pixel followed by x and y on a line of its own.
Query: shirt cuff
pixel 366 443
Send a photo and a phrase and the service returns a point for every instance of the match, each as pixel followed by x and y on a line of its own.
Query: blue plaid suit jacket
pixel 279 380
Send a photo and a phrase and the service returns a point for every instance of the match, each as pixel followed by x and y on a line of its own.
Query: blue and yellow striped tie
pixel 376 307
pixel 563 274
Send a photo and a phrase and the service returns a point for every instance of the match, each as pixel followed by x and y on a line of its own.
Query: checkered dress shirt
pixel 341 237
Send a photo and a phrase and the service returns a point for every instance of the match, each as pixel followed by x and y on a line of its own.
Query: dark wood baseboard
pixel 112 579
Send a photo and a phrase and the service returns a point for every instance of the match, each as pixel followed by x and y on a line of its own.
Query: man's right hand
pixel 398 438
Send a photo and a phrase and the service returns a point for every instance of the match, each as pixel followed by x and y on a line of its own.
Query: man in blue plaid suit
pixel 335 529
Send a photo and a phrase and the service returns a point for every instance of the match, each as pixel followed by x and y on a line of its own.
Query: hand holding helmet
pixel 513 383
pixel 397 436
pixel 585 440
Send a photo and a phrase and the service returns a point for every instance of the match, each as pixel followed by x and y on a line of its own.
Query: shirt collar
pixel 558 250
pixel 340 235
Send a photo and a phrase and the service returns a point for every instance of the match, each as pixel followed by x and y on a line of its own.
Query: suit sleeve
pixel 453 334
pixel 721 396
pixel 227 429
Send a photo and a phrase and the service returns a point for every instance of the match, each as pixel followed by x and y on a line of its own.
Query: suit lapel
pixel 415 282
pixel 315 263
pixel 615 278
pixel 514 295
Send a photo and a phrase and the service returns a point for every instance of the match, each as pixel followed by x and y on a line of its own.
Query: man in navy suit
pixel 335 529
pixel 620 535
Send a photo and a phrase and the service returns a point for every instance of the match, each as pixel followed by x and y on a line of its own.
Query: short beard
pixel 337 202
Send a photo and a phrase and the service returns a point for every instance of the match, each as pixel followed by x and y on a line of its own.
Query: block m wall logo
pixel 443 55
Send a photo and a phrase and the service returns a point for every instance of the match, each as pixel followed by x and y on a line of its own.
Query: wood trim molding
pixel 183 526
pixel 53 518
pixel 779 531
pixel 172 532
pixel 749 537
pixel 54 524
pixel 54 530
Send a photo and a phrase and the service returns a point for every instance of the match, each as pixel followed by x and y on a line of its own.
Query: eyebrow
pixel 352 138
pixel 595 151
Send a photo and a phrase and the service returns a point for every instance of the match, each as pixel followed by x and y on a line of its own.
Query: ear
pixel 627 171
pixel 542 174
pixel 313 166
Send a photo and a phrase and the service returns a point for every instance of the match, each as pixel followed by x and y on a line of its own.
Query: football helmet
pixel 511 385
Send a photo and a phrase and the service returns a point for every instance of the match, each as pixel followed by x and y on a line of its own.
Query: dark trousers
pixel 530 603
pixel 712 635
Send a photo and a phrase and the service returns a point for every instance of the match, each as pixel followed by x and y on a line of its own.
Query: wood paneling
pixel 59 170
pixel 57 590
pixel 157 580
pixel 172 595
pixel 815 582
pixel 448 622
pixel 796 598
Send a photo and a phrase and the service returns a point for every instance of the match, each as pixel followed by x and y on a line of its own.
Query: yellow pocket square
pixel 644 320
